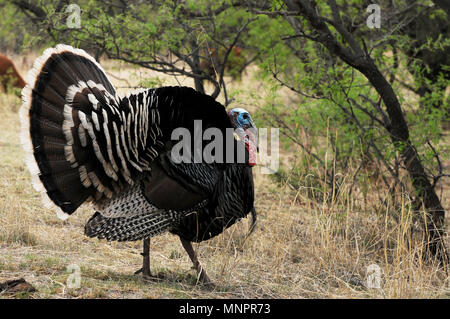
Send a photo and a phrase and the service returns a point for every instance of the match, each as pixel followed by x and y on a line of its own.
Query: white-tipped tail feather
pixel 81 140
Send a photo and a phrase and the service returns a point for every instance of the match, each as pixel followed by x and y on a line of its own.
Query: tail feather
pixel 58 155
pixel 82 141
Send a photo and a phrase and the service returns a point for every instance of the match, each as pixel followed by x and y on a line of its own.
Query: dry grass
pixel 303 247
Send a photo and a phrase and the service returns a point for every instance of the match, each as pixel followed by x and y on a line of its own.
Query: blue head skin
pixel 241 118
pixel 246 130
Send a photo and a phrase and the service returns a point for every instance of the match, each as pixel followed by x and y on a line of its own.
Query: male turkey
pixel 87 144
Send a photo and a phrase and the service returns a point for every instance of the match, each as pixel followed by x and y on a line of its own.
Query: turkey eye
pixel 245 116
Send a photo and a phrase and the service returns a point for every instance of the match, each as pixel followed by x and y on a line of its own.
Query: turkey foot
pixel 203 277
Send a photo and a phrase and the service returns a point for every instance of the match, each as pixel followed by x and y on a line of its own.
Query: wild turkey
pixel 86 144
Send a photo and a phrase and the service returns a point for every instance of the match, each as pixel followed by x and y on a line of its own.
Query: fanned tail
pixel 77 133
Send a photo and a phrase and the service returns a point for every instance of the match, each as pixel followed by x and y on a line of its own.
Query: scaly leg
pixel 146 273
pixel 193 256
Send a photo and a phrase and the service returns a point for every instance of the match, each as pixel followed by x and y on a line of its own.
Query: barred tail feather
pixel 63 86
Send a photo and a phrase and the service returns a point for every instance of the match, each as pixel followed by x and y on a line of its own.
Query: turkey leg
pixel 146 260
pixel 203 277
